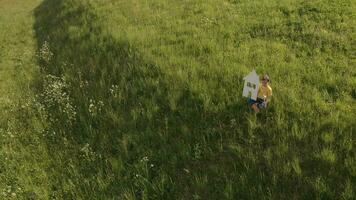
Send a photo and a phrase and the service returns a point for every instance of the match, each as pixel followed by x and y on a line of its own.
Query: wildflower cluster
pixel 57 99
pixel 83 83
pixel 88 153
pixel 95 107
pixel 114 90
pixel 29 105
pixel 142 167
pixel 209 21
pixel 197 151
pixel 11 192
pixel 45 53
pixel 146 160
pixel 116 93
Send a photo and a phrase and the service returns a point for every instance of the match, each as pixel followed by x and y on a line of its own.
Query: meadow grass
pixel 142 99
pixel 162 80
pixel 23 157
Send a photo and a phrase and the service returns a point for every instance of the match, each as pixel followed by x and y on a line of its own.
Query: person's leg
pixel 255 107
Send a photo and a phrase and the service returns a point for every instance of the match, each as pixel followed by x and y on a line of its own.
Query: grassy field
pixel 23 152
pixel 142 99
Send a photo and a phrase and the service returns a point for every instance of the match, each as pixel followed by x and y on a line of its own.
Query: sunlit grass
pixel 142 100
pixel 163 80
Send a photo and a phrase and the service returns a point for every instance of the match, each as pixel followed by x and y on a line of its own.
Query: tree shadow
pixel 137 118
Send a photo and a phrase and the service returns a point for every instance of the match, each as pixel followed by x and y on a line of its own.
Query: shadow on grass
pixel 126 109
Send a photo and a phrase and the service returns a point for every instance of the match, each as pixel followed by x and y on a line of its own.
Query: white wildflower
pixel 114 90
pixel 45 53
pixel 145 159
pixel 55 95
pixel 95 107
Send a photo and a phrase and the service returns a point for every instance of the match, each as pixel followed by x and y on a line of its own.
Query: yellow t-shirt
pixel 264 91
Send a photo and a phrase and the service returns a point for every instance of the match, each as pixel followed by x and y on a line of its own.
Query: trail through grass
pixel 22 154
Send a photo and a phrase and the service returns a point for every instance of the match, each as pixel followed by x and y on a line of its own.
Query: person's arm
pixel 269 97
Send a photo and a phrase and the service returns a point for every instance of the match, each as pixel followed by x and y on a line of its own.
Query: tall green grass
pixel 144 98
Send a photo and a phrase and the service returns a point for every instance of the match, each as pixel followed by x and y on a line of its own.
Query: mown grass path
pixel 22 154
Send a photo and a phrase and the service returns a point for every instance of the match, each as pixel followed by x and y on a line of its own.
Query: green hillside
pixel 142 100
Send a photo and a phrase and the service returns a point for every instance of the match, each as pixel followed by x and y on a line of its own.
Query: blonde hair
pixel 265 76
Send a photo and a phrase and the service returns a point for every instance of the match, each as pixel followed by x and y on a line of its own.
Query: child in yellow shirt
pixel 264 95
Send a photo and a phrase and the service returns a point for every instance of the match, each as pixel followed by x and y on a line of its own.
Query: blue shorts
pixel 259 102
